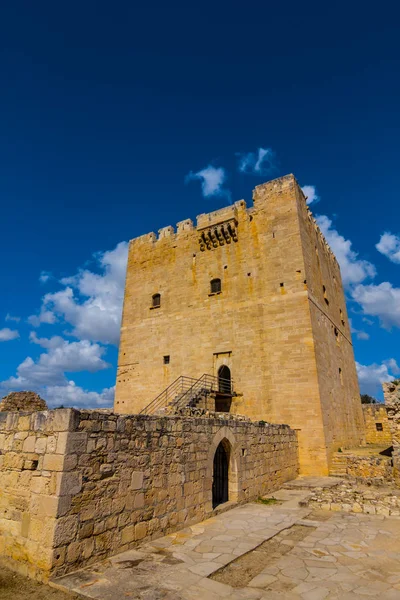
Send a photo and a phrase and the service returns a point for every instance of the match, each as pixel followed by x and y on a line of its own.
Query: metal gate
pixel 220 477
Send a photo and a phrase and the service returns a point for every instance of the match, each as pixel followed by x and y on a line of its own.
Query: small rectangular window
pixel 379 426
pixel 215 285
pixel 156 301
pixel 166 359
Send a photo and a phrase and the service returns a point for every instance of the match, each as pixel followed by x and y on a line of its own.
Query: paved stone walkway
pixel 345 556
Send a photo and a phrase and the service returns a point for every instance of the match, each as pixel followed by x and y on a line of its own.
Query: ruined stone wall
pixel 375 417
pixel 391 392
pixel 268 324
pixel 25 401
pixel 350 496
pixel 78 486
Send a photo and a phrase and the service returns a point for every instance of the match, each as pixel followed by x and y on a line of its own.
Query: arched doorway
pixel 220 475
pixel 224 380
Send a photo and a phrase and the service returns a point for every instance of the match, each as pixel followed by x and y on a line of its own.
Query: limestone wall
pixel 78 486
pixel 339 393
pixel 391 392
pixel 33 472
pixel 377 429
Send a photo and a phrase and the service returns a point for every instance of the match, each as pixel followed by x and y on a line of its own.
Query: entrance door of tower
pixel 224 380
pixel 220 476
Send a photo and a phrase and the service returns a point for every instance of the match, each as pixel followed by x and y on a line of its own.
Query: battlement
pixel 218 226
pixel 318 231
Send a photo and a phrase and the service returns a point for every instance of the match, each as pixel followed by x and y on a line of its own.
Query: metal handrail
pixel 179 386
pixel 184 390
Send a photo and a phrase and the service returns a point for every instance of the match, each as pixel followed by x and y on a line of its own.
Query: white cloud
pixel 73 395
pixel 212 180
pixel 389 246
pixel 11 318
pixel 393 366
pixel 353 269
pixel 361 335
pixel 61 357
pixel 382 301
pixel 44 276
pixel 54 342
pixel 261 162
pixel 371 377
pixel 310 193
pixel 45 316
pixel 91 302
pixel 8 334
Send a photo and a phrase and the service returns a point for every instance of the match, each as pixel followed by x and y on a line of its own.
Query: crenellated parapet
pixel 215 229
pixel 319 233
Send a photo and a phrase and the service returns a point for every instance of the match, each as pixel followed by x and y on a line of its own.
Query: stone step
pixel 338 466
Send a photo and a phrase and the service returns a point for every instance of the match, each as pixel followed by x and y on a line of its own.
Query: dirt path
pixel 17 587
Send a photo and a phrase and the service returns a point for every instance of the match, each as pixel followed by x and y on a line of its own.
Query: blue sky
pixel 118 119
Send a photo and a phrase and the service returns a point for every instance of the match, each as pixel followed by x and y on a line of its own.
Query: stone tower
pixel 278 321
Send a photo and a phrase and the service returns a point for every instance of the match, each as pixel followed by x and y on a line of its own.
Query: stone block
pixel 88 548
pixel 73 552
pixel 40 445
pixel 51 444
pixel 68 483
pixel 139 500
pixel 53 462
pixel 25 523
pixel 60 419
pixel 59 556
pixel 45 506
pixel 71 442
pixel 140 531
pixel 29 444
pixel 128 535
pixel 137 480
pixel 65 530
pixel 86 530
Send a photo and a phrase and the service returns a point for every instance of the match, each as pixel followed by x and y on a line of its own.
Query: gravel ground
pixel 17 587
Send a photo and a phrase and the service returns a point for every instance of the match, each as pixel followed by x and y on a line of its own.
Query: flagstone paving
pixel 345 556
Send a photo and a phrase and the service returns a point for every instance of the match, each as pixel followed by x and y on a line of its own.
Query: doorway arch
pixel 220 485
pixel 224 380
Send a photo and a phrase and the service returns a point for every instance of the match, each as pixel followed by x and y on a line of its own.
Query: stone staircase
pixel 338 465
pixel 187 392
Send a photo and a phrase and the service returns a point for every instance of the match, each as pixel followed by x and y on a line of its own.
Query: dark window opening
pixel 281 284
pixel 166 359
pixel 325 295
pixel 156 301
pixel 379 426
pixel 336 332
pixel 215 286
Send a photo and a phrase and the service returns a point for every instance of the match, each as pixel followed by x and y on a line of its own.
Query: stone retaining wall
pixel 391 392
pixel 78 486
pixel 350 496
pixel 377 429
pixel 374 469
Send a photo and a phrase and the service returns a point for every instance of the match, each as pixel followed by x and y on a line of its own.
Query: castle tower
pixel 258 291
